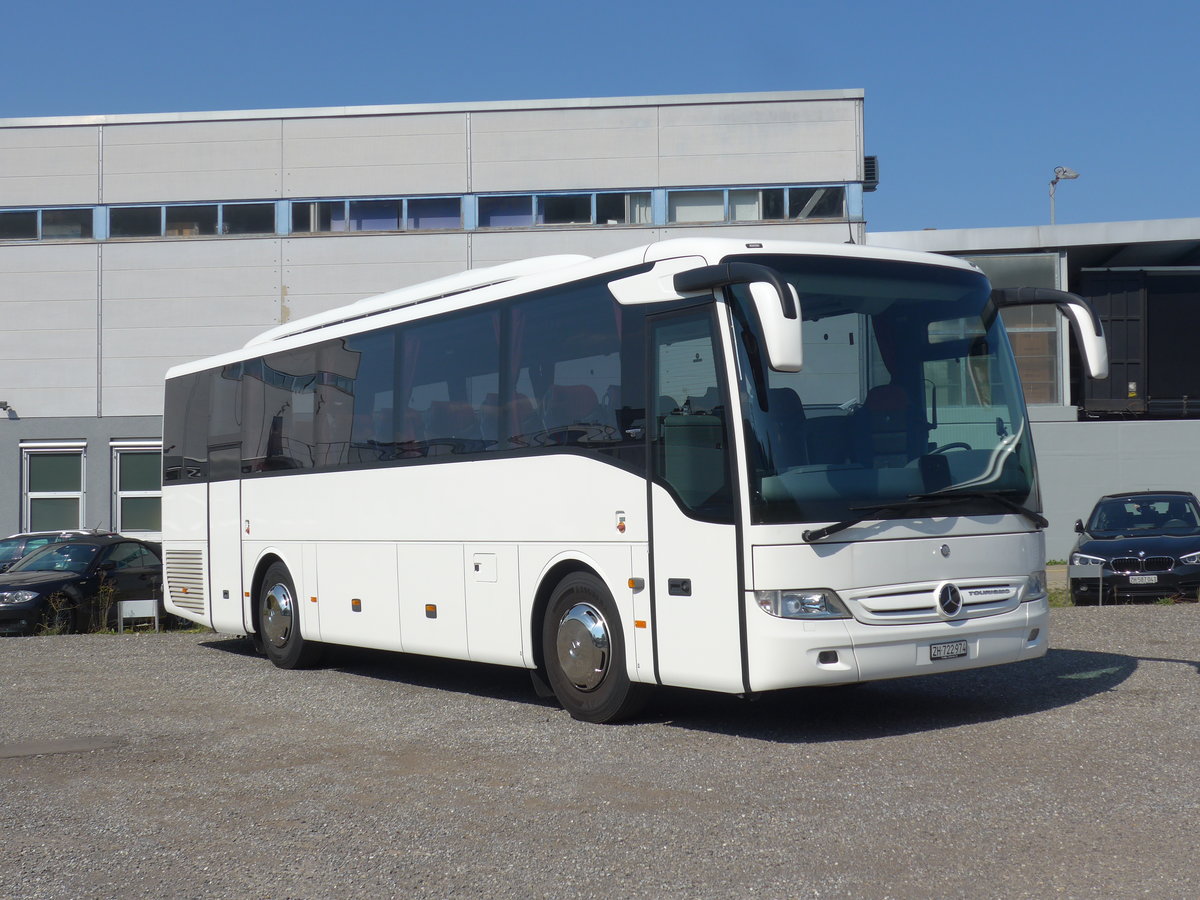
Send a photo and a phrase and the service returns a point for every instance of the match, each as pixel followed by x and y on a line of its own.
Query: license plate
pixel 949 650
pixel 1143 579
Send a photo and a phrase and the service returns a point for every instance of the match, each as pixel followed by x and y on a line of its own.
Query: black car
pixel 15 546
pixel 75 585
pixel 1143 545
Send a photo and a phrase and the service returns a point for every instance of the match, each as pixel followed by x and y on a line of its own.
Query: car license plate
pixel 949 650
pixel 1143 579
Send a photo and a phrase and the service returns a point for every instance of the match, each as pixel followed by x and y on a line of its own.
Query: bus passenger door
pixel 225 538
pixel 693 541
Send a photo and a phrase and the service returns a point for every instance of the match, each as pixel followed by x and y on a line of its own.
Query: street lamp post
pixel 1061 173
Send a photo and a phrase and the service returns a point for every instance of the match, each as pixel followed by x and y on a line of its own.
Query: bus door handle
pixel 679 587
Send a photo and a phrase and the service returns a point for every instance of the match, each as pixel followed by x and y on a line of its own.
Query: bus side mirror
pixel 783 335
pixel 776 305
pixel 1089 334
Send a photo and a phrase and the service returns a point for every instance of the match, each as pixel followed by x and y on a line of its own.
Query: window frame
pixel 117 450
pixel 32 450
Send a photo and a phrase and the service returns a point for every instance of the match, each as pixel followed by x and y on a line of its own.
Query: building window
pixel 374 215
pixel 53 487
pixel 137 489
pixel 67 224
pixel 506 212
pixel 18 225
pixel 135 221
pixel 624 209
pixel 191 221
pixel 755 204
pixel 564 209
pixel 433 212
pixel 817 203
pixel 248 218
pixel 696 206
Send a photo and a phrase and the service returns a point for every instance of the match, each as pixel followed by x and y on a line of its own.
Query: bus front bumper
pixel 787 653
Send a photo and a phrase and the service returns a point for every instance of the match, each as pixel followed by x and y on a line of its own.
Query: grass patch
pixel 1060 597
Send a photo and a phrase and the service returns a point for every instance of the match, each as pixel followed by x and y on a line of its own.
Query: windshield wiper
pixel 1036 518
pixel 921 501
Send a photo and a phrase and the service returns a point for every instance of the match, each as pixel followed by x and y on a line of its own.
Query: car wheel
pixel 583 647
pixel 279 622
pixel 61 616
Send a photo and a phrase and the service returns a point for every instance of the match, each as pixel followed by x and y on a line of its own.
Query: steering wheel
pixel 955 445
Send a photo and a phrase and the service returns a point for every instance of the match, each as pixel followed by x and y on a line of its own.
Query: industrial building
pixel 130 243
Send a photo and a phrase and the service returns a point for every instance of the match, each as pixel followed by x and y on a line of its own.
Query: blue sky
pixel 969 105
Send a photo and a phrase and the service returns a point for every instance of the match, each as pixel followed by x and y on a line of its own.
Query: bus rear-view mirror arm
pixel 775 303
pixel 1085 325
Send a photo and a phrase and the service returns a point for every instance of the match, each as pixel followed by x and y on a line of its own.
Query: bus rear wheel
pixel 583 648
pixel 279 622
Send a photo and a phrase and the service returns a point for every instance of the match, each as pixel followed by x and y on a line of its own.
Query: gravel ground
pixel 181 765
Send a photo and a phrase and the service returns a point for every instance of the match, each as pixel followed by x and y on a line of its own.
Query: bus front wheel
pixel 583 648
pixel 279 622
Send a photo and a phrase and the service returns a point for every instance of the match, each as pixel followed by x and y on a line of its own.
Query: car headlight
pixel 1190 559
pixel 8 597
pixel 1083 559
pixel 816 603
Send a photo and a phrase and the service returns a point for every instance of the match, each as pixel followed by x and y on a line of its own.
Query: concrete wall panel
pixel 324 273
pixel 564 149
pixel 375 156
pixel 760 143
pixel 192 161
pixel 49 166
pixel 167 302
pixel 505 246
pixel 48 342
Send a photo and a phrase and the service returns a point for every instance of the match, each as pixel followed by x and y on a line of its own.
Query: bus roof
pixel 496 282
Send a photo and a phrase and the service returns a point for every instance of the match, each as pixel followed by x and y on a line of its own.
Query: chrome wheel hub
pixel 583 646
pixel 278 615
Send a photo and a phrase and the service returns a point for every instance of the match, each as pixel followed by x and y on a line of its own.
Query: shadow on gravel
pixel 803 715
pixel 906 705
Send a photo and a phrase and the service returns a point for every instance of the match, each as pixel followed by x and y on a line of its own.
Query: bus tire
pixel 279 622
pixel 583 648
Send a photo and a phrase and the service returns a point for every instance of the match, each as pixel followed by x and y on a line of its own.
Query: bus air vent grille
pixel 185 579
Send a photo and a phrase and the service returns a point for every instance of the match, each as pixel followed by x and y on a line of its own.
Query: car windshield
pixel 58 558
pixel 1145 515
pixel 909 389
pixel 11 549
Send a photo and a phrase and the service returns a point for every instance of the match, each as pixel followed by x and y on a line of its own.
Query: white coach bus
pixel 718 464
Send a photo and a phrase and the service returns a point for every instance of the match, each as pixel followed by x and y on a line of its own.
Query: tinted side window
pixel 185 428
pixel 449 386
pixel 372 398
pixel 280 411
pixel 565 358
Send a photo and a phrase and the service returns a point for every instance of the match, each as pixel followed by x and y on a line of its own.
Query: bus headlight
pixel 816 603
pixel 1035 585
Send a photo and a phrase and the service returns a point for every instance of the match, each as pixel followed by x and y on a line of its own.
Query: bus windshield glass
pixel 909 390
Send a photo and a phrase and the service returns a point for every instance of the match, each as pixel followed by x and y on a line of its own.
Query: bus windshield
pixel 909 389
